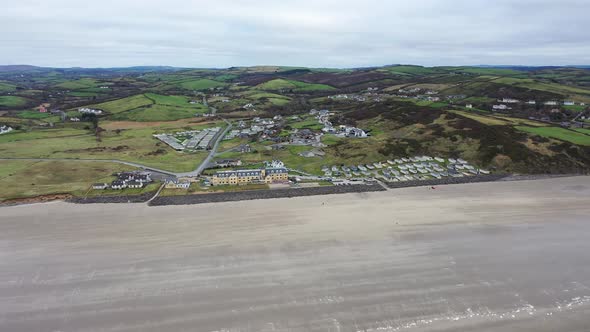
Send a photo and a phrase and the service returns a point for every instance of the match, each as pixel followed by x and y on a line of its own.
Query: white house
pixel 568 103
pixel 5 129
pixel 469 106
pixel 500 107
pixel 551 103
pixel 89 111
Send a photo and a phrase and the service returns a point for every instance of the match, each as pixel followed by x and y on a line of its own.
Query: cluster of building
pixel 126 180
pixel 5 129
pixel 190 140
pixel 504 101
pixel 264 126
pixel 323 117
pixel 273 172
pixel 407 169
pixel 250 176
pixel 85 110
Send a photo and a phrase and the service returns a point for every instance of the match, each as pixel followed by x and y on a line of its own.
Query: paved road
pixel 212 153
pixel 196 172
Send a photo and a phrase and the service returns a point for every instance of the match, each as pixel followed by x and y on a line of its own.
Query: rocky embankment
pixel 264 194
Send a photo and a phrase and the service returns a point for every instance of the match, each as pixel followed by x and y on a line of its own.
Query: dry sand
pixel 510 256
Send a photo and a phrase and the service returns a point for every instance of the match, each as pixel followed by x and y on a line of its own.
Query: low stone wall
pixel 112 199
pixel 449 180
pixel 264 194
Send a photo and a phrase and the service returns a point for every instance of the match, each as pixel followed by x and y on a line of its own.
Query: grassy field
pixel 410 70
pixel 558 133
pixel 83 94
pixel 488 120
pixel 283 84
pixel 200 84
pixel 7 87
pixel 124 104
pixel 549 87
pixel 195 188
pixel 160 108
pixel 12 101
pixel 29 178
pixel 159 113
pixel 33 115
pixel 494 120
pixel 133 144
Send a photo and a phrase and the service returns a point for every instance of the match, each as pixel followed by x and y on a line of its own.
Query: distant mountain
pixel 531 68
pixel 10 68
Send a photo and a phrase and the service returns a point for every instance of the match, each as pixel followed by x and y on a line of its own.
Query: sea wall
pixel 264 194
pixel 449 180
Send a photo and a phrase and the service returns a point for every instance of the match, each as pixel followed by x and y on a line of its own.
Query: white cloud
pixel 306 32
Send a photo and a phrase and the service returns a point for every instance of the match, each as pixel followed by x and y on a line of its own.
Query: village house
pixel 551 103
pixel 5 129
pixel 509 100
pixel 244 148
pixel 568 103
pixel 100 186
pixel 500 107
pixel 469 106
pixel 531 102
pixel 177 184
pixel 131 180
pixel 228 163
pixel 85 110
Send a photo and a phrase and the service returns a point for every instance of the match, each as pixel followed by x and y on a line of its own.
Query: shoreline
pixel 276 193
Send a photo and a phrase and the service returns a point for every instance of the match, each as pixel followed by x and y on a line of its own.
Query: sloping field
pixel 558 133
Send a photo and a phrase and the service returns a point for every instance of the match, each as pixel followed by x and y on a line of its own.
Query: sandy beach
pixel 510 256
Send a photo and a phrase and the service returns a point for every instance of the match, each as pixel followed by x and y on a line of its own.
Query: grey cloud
pixel 302 33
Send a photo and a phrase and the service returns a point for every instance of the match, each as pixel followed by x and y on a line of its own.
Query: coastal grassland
pixel 124 104
pixel 195 188
pixel 558 133
pixel 12 101
pixel 19 178
pixel 200 84
pixel 133 145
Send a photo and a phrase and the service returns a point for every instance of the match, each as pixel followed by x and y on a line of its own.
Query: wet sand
pixel 502 256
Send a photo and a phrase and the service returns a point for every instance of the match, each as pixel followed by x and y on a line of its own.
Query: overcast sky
pixel 318 33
